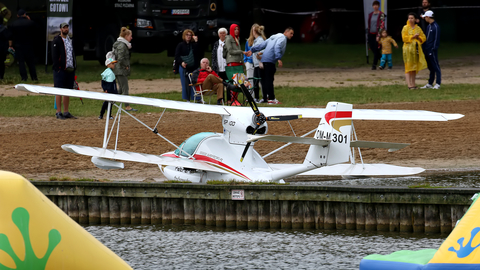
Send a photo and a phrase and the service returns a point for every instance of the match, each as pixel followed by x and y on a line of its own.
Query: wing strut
pixel 283 146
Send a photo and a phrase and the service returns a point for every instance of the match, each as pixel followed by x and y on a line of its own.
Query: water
pixel 455 179
pixel 201 247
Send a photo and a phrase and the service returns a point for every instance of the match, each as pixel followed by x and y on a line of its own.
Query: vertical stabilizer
pixel 336 126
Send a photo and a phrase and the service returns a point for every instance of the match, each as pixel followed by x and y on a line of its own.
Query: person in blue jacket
pixel 109 84
pixel 430 49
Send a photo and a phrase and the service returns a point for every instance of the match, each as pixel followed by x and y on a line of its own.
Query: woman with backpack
pixel 186 61
pixel 122 69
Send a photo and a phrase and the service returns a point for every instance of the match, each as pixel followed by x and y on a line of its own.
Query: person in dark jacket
pixel 4 37
pixel 23 29
pixel 109 84
pixel 64 65
pixel 421 11
pixel 186 60
pixel 430 49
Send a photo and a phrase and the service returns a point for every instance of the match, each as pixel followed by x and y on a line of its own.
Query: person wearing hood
pixel 233 54
pixel 122 69
pixel 413 57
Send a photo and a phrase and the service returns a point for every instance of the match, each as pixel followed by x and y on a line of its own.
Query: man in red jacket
pixel 209 79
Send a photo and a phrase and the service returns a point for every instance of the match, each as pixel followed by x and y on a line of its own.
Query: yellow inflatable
pixel 36 234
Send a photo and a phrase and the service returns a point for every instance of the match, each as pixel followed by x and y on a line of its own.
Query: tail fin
pixel 34 226
pixel 336 125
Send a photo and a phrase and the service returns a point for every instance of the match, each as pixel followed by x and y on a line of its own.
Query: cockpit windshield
pixel 190 144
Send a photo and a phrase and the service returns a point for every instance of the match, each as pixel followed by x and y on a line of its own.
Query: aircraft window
pixel 190 144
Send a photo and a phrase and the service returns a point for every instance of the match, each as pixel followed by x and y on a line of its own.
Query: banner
pixel 367 9
pixel 58 11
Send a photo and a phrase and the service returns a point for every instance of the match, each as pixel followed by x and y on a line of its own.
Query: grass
pixel 290 96
pixel 67 178
pixel 239 183
pixel 427 186
pixel 317 55
pixel 177 182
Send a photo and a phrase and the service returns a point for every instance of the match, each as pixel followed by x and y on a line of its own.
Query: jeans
pixel 387 58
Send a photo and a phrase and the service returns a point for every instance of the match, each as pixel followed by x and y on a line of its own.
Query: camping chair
pixel 198 91
pixel 231 72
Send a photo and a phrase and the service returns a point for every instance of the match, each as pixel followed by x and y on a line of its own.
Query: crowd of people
pixel 421 40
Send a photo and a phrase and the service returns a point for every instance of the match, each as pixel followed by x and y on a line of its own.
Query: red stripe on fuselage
pixel 334 115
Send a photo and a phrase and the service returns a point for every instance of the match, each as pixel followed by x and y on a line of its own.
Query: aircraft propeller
pixel 259 118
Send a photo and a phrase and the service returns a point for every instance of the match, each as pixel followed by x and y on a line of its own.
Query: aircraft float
pixel 230 155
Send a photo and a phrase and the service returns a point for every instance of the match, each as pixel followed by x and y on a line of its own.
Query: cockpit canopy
pixel 190 144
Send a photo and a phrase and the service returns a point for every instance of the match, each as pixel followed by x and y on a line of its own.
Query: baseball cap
pixel 110 61
pixel 428 14
pixel 21 12
pixel 63 24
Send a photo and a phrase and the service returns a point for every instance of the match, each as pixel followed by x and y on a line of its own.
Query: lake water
pixel 201 247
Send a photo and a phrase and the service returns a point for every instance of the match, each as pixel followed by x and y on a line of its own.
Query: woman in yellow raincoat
pixel 413 56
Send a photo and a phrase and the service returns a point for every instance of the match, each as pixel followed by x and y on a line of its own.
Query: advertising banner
pixel 58 11
pixel 367 9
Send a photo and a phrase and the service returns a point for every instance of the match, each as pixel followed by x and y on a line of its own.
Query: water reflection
pixel 452 179
pixel 201 247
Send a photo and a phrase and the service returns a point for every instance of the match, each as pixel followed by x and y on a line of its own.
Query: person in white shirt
pixel 218 62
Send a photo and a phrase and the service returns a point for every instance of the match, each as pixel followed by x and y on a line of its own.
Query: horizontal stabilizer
pixel 288 139
pixel 139 157
pixel 386 145
pixel 360 170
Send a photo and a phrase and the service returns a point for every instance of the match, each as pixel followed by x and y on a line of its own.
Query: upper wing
pixel 363 114
pixel 169 104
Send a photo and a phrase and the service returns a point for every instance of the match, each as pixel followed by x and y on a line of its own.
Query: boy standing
pixel 109 85
pixel 430 49
pixel 386 42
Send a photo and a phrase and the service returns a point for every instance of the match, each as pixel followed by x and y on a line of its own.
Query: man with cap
pixel 23 29
pixel 430 49
pixel 64 65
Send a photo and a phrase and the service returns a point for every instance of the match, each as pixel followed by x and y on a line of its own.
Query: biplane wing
pixel 357 114
pixel 358 170
pixel 139 157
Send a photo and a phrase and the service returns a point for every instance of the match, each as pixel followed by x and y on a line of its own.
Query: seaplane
pixel 231 155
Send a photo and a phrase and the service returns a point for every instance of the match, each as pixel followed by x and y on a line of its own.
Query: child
pixel 109 85
pixel 386 41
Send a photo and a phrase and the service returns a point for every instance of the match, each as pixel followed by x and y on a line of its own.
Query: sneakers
pixel 101 117
pixel 220 101
pixel 68 115
pixel 389 67
pixel 427 86
pixel 60 116
pixel 261 101
pixel 273 102
pixel 380 67
pixel 437 86
pixel 256 100
pixel 374 67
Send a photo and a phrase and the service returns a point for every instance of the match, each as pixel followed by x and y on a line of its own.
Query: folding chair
pixel 198 91
pixel 231 71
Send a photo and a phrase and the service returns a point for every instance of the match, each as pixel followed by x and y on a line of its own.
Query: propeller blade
pixel 283 117
pixel 250 99
pixel 248 144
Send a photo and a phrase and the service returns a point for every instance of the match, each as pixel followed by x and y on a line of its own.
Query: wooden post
pixel 382 216
pixel 177 211
pixel 189 208
pixel 82 210
pixel 308 215
pixel 93 210
pixel 275 215
pixel 418 218
pixel 286 215
pixel 297 214
pixel 104 212
pixel 406 218
pixel 156 210
pixel 350 216
pixel 210 219
pixel 146 211
pixel 62 204
pixel 360 216
pixel 370 217
pixel 242 214
pixel 340 216
pixel 319 216
pixel 252 222
pixel 114 207
pixel 432 219
pixel 125 211
pixel 166 211
pixel 135 211
pixel 73 207
pixel 263 214
pixel 445 218
pixel 394 210
pixel 200 212
pixel 220 213
pixel 230 214
pixel 457 214
pixel 329 216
